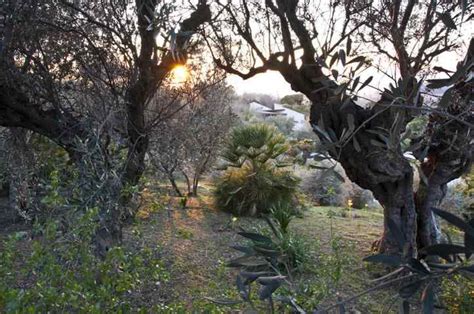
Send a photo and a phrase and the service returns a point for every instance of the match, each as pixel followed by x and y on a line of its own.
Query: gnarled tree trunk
pixel 383 170
pixel 366 141
pixel 20 162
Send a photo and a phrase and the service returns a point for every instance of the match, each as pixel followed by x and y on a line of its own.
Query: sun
pixel 179 74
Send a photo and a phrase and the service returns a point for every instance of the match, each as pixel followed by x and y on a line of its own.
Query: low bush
pixel 361 198
pixel 62 273
pixel 324 188
pixel 275 248
pixel 269 259
pixel 283 215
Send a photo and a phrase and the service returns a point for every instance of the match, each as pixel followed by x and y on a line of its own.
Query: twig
pixel 386 284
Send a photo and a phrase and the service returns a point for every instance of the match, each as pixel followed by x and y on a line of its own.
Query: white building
pixel 279 110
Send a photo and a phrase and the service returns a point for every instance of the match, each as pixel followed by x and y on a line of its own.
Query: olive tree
pixel 80 72
pixel 320 47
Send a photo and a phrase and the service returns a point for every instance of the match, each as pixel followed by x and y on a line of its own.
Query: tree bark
pixel 427 197
pixel 449 155
pixel 194 191
pixel 174 185
pixel 149 77
pixel 188 182
pixel 20 162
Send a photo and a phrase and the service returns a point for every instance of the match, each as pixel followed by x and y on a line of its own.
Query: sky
pixel 271 83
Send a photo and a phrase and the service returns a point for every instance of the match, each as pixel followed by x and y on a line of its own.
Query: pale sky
pixel 271 83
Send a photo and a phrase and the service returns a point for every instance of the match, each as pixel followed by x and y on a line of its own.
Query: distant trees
pixel 318 50
pixel 297 102
pixel 188 144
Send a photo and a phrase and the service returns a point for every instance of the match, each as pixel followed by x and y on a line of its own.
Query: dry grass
pixel 196 244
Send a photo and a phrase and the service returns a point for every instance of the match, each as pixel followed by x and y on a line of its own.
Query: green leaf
pixel 342 56
pixel 319 167
pixel 392 260
pixel 236 191
pixel 444 250
pixel 454 220
pixel 438 83
pixel 252 276
pixel 357 59
pixel 427 298
pixel 320 158
pixel 441 69
pixel 270 280
pixel 346 103
pixel 355 83
pixel 321 132
pixel 255 237
pixel 366 82
pixel 377 143
pixel 447 20
pixel 417 266
pixel 340 89
pixel 246 261
pixel 348 45
pixel 335 73
pixel 356 144
pixel 266 252
pixel 410 289
pixel 244 249
pixel 350 122
pixel 269 285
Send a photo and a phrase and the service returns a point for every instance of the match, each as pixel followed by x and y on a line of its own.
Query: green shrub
pixel 255 178
pixel 268 262
pixel 325 188
pixel 361 198
pixel 277 250
pixel 283 215
pixel 62 273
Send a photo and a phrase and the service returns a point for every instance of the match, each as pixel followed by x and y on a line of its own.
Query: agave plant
pixel 267 262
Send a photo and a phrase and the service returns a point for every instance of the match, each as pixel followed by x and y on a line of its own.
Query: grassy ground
pixel 195 245
pixel 196 241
